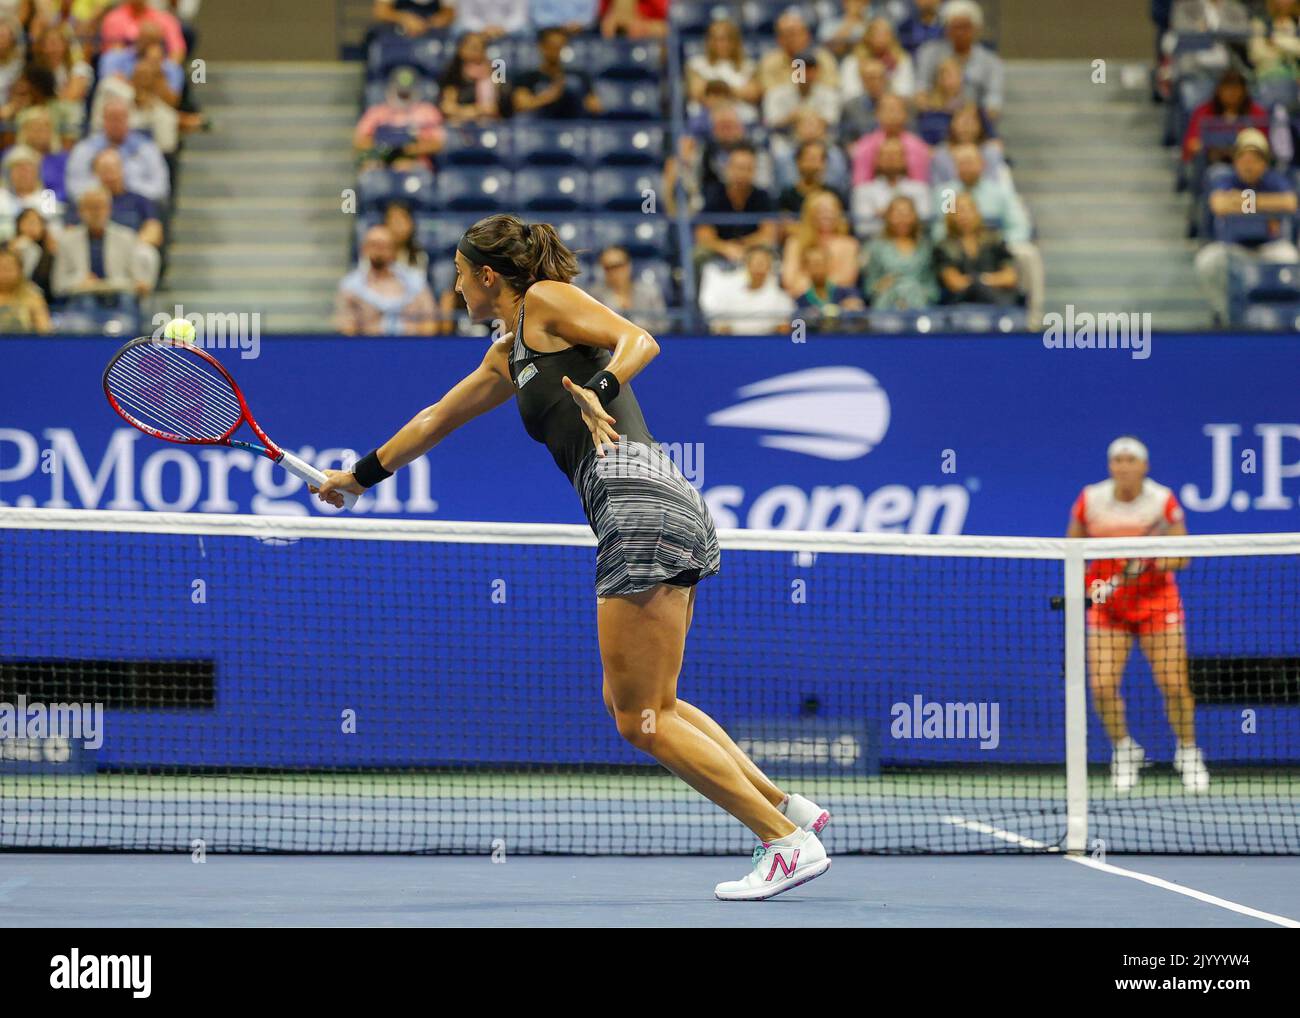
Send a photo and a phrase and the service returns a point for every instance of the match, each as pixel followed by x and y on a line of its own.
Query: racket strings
pixel 174 391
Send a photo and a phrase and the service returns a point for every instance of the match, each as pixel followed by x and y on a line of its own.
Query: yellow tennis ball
pixel 180 329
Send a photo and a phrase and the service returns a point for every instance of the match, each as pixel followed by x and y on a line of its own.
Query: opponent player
pixel 1137 598
pixel 568 364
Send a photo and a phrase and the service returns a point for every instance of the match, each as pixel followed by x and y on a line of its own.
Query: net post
pixel 1076 703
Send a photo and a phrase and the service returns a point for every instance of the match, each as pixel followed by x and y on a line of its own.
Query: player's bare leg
pixel 1108 651
pixel 1166 649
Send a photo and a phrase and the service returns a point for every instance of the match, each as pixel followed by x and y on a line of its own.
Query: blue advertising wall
pixel 954 435
pixel 984 435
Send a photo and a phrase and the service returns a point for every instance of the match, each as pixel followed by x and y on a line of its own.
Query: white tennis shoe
pixel 1126 764
pixel 778 867
pixel 1189 762
pixel 805 813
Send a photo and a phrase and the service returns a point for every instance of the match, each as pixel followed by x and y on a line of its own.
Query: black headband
pixel 480 257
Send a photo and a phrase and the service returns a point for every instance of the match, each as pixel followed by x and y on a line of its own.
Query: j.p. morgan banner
pixel 921 435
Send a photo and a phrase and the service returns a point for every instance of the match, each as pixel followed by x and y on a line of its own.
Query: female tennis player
pixel 1137 598
pixel 568 364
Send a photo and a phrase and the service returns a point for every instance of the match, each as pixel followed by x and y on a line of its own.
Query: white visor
pixel 1127 446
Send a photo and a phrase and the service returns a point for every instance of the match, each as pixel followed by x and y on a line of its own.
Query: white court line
pixel 998 832
pixel 1146 878
pixel 1190 892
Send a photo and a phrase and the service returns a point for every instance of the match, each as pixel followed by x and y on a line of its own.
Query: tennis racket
pixel 173 390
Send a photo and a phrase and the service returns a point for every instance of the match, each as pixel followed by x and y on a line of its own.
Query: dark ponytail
pixel 523 253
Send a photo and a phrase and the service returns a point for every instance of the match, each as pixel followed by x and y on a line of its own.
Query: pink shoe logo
pixel 779 860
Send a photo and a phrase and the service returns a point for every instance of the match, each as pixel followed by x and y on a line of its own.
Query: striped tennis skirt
pixel 651 524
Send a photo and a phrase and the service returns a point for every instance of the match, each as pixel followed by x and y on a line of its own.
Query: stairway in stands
pixel 1088 162
pixel 258 224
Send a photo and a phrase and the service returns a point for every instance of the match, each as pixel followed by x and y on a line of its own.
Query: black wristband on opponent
pixel 369 471
pixel 605 385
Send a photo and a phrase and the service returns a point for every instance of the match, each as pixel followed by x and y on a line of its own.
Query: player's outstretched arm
pixel 483 389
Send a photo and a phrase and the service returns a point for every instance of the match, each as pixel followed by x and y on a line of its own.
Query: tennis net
pixel 272 684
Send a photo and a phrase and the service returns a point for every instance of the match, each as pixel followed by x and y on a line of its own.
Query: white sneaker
pixel 778 866
pixel 806 813
pixel 1189 762
pixel 1126 764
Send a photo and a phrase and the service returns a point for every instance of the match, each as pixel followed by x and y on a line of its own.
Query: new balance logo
pixel 778 859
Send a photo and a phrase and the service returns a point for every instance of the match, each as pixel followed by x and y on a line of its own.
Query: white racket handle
pixel 304 471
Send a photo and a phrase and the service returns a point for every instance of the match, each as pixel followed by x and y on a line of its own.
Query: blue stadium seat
pixel 415 187
pixel 470 145
pixel 932 126
pixel 622 100
pixel 642 236
pixel 388 50
pixel 624 60
pixel 540 143
pixel 692 19
pixel 1274 316
pixel 375 189
pixel 1256 227
pixel 627 145
pixel 622 190
pixel 658 271
pixel 904 321
pixel 574 230
pixel 1270 92
pixel 475 190
pixel 438 235
pixel 551 189
pixel 986 318
pixel 758 17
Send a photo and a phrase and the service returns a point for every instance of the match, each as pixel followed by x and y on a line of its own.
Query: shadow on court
pixel 151 890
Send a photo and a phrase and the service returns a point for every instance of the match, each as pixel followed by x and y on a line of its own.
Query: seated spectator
pixel 469 91
pixel 553 90
pixel 1200 16
pixel 982 69
pixel 810 165
pixel 974 265
pixel 921 25
pixel 401 225
pixel 414 17
pixel 120 63
pixel 1274 48
pixel 21 169
pixel 822 225
pixel 858 115
pixel 737 194
pixel 841 34
pixel 723 60
pixel 13 54
pixel 73 77
pixel 574 16
pixel 145 168
pixel 879 44
pixel 718 94
pixel 899 270
pixel 967 127
pixel 403 131
pixel 872 197
pixel 1255 188
pixel 892 115
pixel 996 199
pixel 793 39
pixel 633 19
pixel 746 300
pixel 783 102
pixel 1231 102
pixel 134 211
pixel 949 92
pixel 380 297
pixel 150 114
pixel 36 244
pixel 121 27
pixel 99 257
pixel 36 131
pixel 22 307
pixel 823 303
pixel 637 299
pixel 35 89
pixel 704 167
pixel 809 127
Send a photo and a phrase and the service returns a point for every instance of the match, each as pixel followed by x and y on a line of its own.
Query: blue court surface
pixel 87 890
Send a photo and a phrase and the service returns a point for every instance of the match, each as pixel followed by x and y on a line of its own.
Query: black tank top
pixel 549 413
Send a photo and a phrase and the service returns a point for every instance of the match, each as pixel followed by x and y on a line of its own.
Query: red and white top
pixel 1103 515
